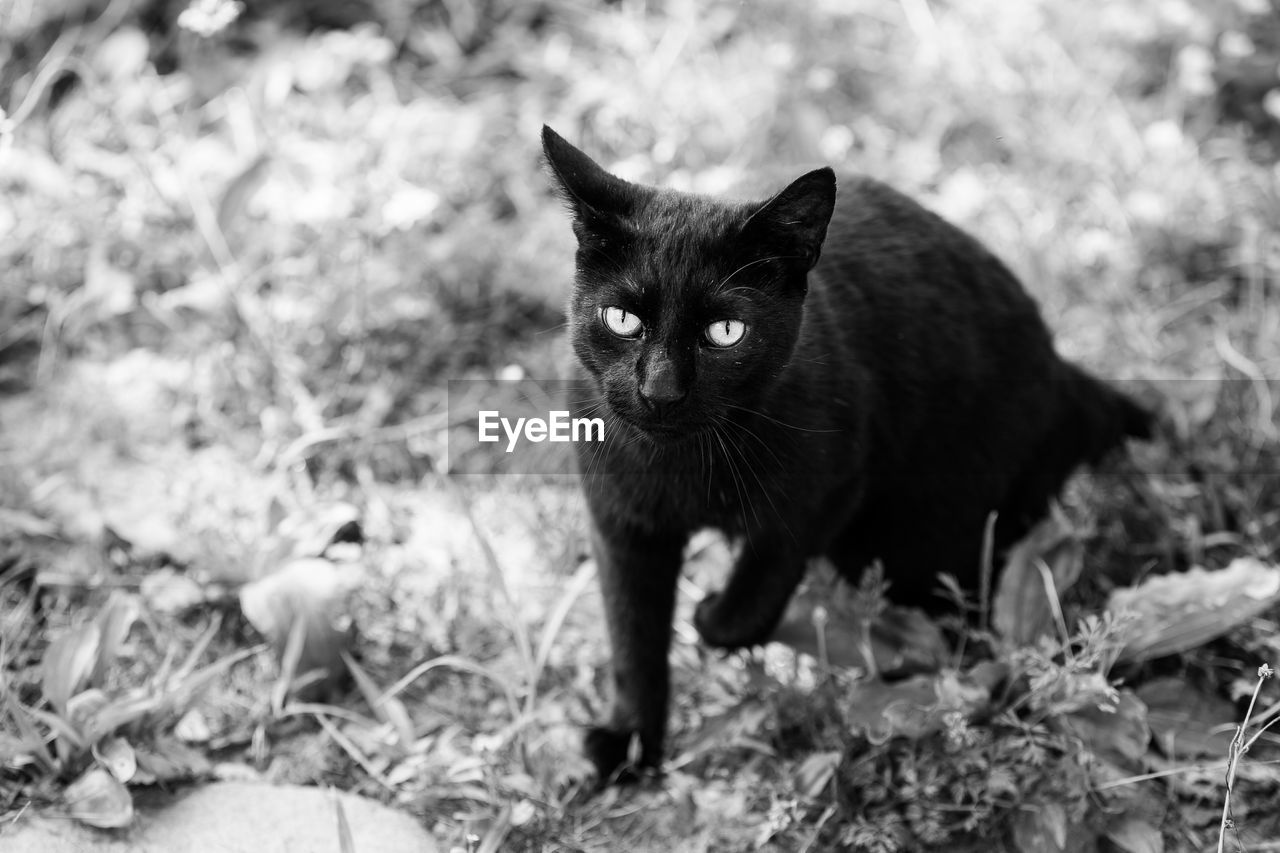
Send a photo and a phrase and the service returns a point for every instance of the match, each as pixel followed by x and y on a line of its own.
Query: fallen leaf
pixel 1190 403
pixel 1022 610
pixel 916 706
pixel 523 812
pixel 121 56
pixel 115 620
pixel 99 799
pixel 117 756
pixel 1045 828
pixel 313 592
pixel 14 751
pixel 21 523
pixel 310 532
pixel 1176 612
pixel 737 726
pixel 1133 835
pixel 902 640
pixel 813 774
pixel 109 291
pixel 169 760
pixel 171 593
pixel 240 191
pixel 68 663
pixel 1187 722
pixel 83 707
pixel 193 728
pixel 1118 734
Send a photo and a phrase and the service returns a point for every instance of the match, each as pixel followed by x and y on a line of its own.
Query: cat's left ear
pixel 794 221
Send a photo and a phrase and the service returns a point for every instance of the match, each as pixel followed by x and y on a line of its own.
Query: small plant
pixel 82 726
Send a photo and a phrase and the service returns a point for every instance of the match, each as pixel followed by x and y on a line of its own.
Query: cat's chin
pixel 663 434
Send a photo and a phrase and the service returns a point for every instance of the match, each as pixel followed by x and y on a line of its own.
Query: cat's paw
pixel 723 629
pixel 609 750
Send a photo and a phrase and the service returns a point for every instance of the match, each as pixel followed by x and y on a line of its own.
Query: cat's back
pixel 902 280
pixel 877 229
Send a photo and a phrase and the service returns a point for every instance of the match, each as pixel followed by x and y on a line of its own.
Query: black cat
pixel 878 403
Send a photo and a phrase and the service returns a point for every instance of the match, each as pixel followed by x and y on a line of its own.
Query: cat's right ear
pixel 590 191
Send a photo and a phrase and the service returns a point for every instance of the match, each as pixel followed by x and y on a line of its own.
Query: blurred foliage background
pixel 319 211
pixel 243 248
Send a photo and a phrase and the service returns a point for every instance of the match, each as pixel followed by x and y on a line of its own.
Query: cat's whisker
pixel 759 472
pixel 748 265
pixel 774 420
pixel 739 483
pixel 745 429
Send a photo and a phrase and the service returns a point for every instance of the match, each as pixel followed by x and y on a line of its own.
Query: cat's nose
pixel 661 389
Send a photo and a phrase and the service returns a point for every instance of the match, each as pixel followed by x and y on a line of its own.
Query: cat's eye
pixel 622 323
pixel 725 333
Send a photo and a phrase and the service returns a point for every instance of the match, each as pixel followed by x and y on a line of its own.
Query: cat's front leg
pixel 638 573
pixel 748 609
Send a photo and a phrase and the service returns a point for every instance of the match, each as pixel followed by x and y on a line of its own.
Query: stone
pixel 231 817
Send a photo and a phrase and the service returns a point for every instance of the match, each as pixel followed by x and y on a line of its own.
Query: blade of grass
pixel 296 709
pixel 288 664
pixel 352 750
pixel 345 842
pixel 388 709
pixel 581 579
pixel 497 832
pixel 497 575
pixel 28 732
pixel 460 663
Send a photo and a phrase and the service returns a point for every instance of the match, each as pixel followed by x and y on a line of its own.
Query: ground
pixel 242 256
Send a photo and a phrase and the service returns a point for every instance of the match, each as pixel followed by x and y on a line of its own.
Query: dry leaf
pixel 1176 612
pixel 99 799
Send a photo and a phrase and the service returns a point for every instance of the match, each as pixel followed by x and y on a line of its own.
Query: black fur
pixel 895 385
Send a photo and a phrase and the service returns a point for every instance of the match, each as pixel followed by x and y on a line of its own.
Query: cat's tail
pixel 1101 415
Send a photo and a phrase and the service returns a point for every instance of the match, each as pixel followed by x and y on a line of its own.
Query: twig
pixel 1239 746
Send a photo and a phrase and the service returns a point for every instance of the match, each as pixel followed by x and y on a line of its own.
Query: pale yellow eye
pixel 622 323
pixel 725 333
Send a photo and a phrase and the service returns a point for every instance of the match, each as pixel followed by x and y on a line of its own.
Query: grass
pixel 234 292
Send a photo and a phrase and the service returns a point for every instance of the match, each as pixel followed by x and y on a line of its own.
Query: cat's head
pixel 684 307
